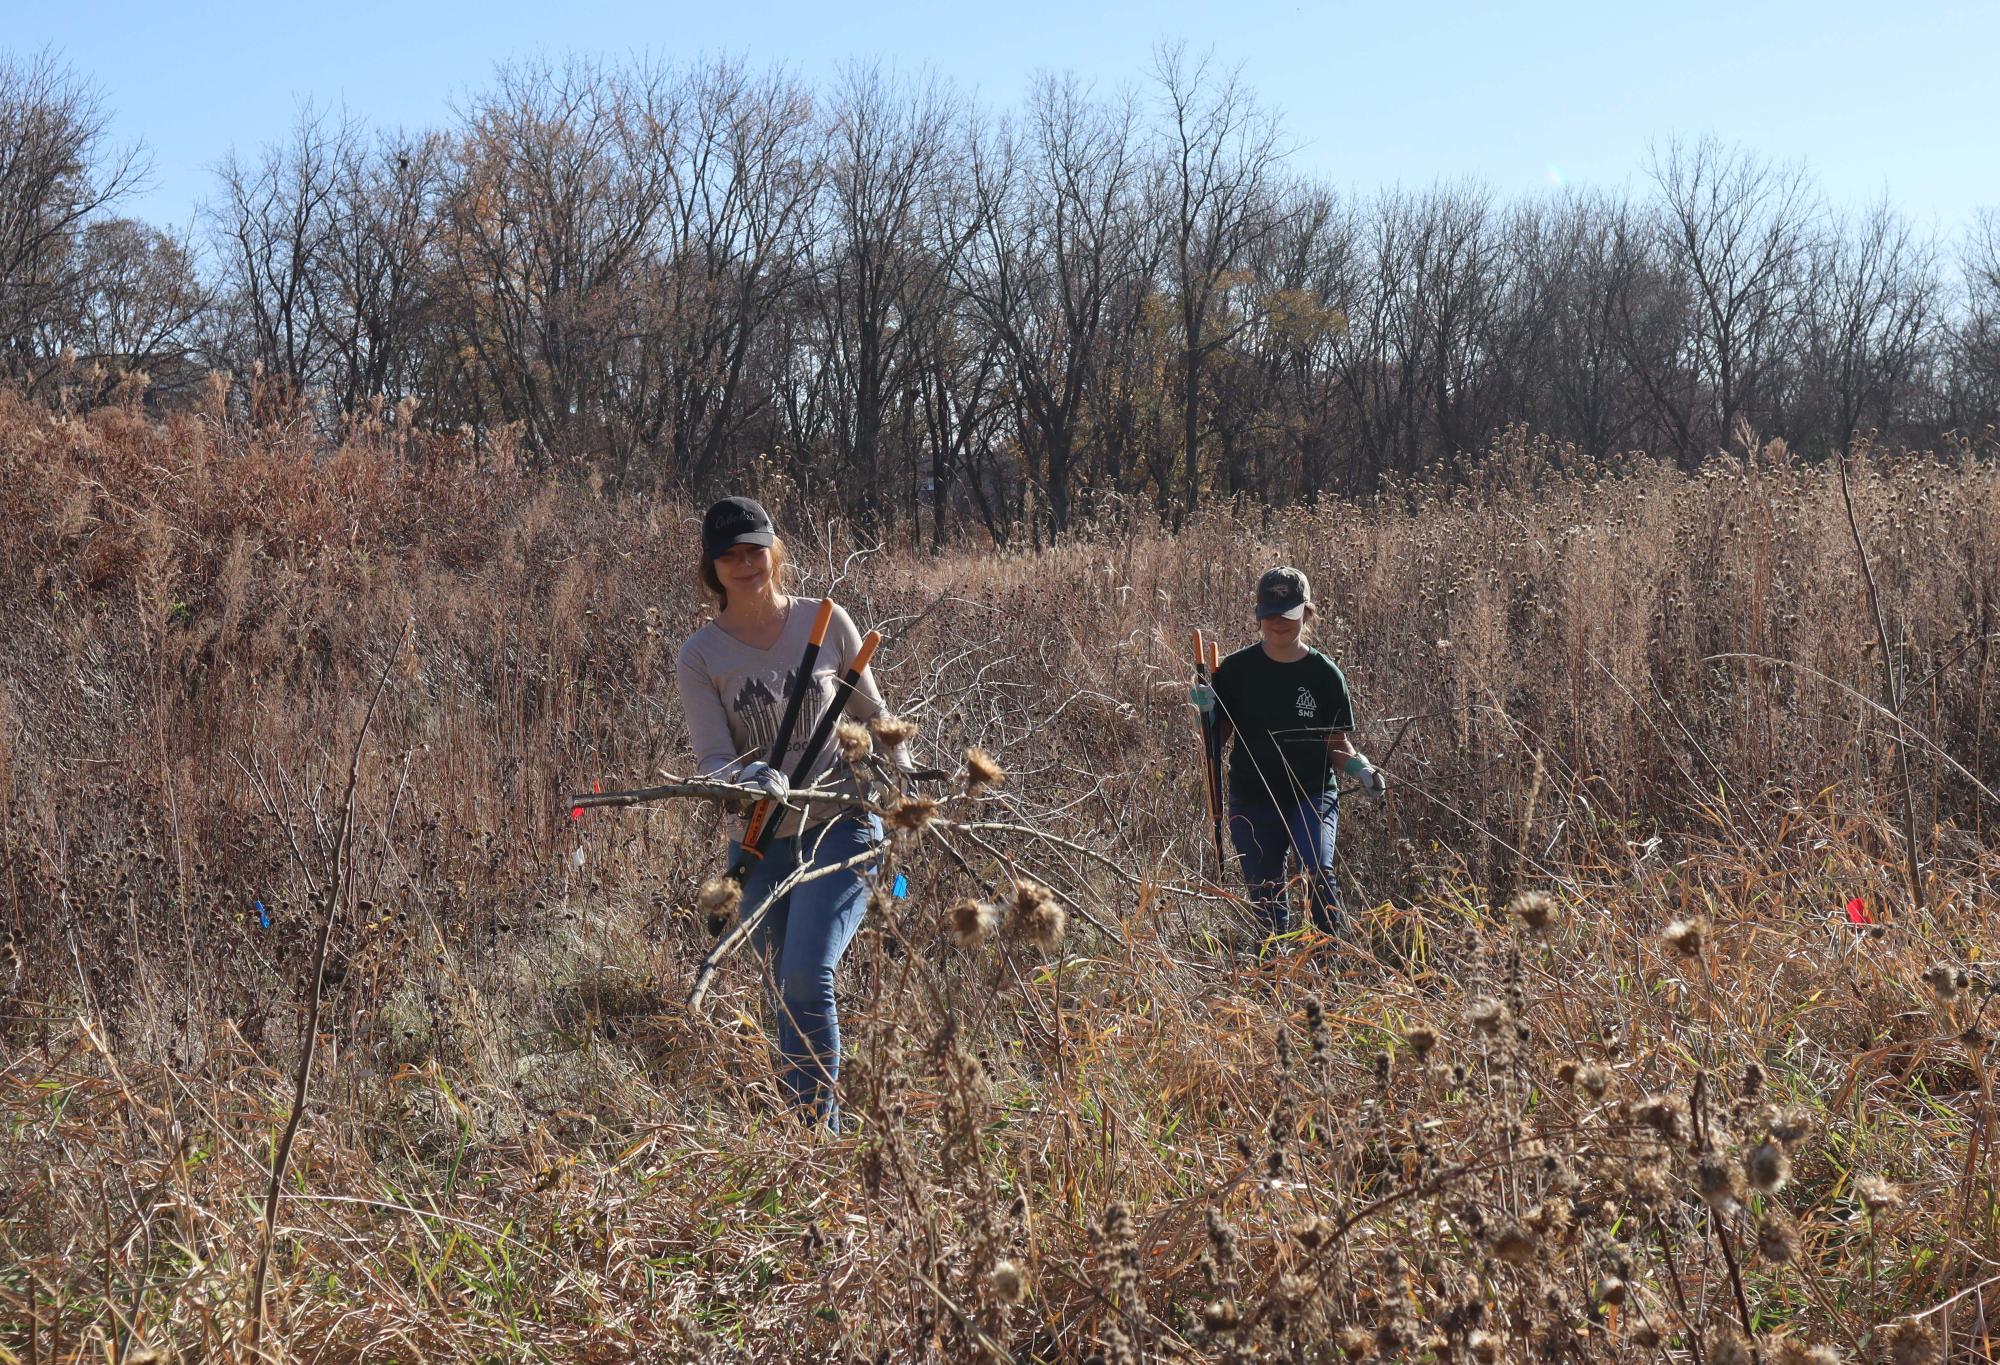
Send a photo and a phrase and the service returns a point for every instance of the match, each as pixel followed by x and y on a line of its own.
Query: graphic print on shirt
pixel 1308 704
pixel 759 703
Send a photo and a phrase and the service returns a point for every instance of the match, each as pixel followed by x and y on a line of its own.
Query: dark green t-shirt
pixel 1282 714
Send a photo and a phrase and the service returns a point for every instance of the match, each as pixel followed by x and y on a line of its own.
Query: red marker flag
pixel 1857 912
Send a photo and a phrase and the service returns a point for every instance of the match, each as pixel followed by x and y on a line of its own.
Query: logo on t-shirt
pixel 1308 704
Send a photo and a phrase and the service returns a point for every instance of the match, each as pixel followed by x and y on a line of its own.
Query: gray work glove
pixel 765 779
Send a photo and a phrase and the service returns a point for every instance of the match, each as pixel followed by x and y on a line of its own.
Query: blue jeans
pixel 801 939
pixel 1264 835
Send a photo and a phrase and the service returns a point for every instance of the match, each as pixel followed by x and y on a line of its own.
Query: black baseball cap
pixel 735 521
pixel 1283 592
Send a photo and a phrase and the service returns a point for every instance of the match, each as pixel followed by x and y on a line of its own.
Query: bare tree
pixel 58 171
pixel 141 300
pixel 1736 228
pixel 1058 219
pixel 273 227
pixel 886 214
pixel 1868 307
pixel 552 208
pixel 1220 154
pixel 376 257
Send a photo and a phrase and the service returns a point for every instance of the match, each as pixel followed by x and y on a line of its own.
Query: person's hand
pixel 1203 697
pixel 765 779
pixel 1373 782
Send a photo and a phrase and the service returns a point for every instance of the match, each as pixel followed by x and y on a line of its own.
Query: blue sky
pixel 1872 97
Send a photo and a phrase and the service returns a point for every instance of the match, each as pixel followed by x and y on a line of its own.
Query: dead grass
pixel 1456 1135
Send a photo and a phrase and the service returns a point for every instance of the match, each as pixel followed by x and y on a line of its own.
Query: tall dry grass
pixel 1600 1072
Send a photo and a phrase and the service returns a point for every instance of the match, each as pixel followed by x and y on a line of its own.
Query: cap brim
pixel 1297 613
pixel 721 547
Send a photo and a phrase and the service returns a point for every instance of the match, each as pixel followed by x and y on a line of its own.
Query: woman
pixel 1287 707
pixel 734 674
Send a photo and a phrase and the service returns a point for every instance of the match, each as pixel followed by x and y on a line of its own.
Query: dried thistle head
pixel 1777 1239
pixel 1354 1342
pixel 719 898
pixel 1910 1342
pixel 1785 1350
pixel 1662 1114
pixel 1421 1040
pixel 890 731
pixel 1034 915
pixel 1513 1243
pixel 1790 1126
pixel 1719 1181
pixel 1486 1014
pixel 1687 936
pixel 1593 1079
pixel 1767 1167
pixel 1945 982
pixel 1485 1347
pixel 1877 1194
pixel 1535 910
pixel 910 814
pixel 982 771
pixel 970 923
pixel 854 742
pixel 1010 1284
pixel 1727 1347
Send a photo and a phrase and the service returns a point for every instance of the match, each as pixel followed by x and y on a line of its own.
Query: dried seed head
pixel 1034 916
pixel 1354 1342
pixel 1009 1284
pixel 1767 1167
pixel 1486 1014
pixel 1911 1343
pixel 1790 1126
pixel 910 814
pixel 1686 936
pixel 719 898
pixel 1513 1244
pixel 889 731
pixel 1610 1290
pixel 981 770
pixel 1945 982
pixel 1726 1347
pixel 1752 1084
pixel 1787 1351
pixel 1877 1195
pixel 1312 1233
pixel 1485 1347
pixel 1421 1041
pixel 854 742
pixel 1594 1079
pixel 1719 1182
pixel 970 923
pixel 1221 1316
pixel 1661 1113
pixel 1777 1239
pixel 1536 910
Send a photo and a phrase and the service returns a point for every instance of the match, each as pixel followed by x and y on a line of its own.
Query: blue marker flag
pixel 263 915
pixel 901 888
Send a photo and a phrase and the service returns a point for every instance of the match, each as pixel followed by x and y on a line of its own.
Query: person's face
pixel 744 568
pixel 1280 632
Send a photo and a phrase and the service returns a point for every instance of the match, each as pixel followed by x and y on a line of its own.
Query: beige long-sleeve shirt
pixel 734 696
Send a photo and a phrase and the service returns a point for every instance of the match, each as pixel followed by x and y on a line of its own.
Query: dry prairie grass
pixel 1668 1102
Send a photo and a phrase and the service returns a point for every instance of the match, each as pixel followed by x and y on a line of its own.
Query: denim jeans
pixel 801 940
pixel 1265 835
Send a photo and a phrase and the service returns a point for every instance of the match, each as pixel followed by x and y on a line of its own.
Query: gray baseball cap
pixel 1283 592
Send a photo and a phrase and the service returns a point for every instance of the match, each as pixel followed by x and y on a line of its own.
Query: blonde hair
pixel 780 573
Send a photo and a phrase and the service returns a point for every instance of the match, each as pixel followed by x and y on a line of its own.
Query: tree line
pixel 944 318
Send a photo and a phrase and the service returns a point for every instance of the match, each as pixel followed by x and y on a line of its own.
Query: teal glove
pixel 1203 697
